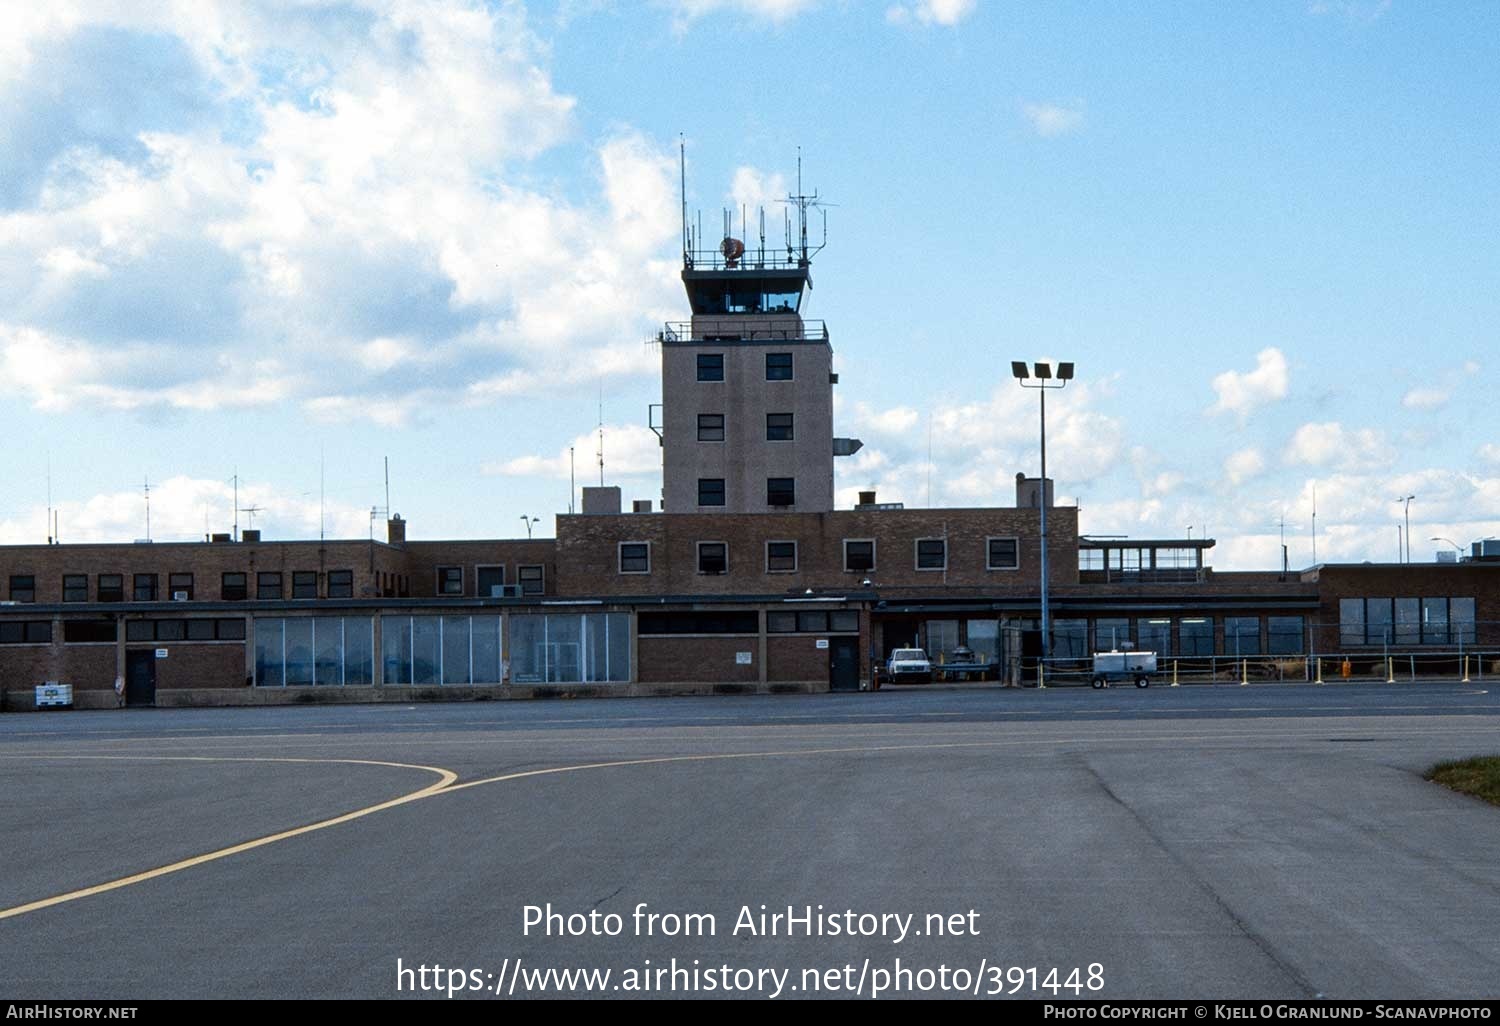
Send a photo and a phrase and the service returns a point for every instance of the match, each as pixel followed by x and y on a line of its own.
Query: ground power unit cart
pixel 1120 666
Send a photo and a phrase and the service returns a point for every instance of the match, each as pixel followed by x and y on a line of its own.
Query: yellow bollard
pixel 1041 676
pixel 1466 670
pixel 1174 673
pixel 1320 670
pixel 1390 670
pixel 1244 672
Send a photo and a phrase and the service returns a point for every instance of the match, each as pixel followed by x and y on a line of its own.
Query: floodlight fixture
pixel 1043 370
pixel 1065 372
pixel 1018 368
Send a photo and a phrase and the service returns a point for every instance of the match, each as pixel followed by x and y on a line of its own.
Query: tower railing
pixel 801 331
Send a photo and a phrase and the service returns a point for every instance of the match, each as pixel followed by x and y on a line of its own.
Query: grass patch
pixel 1478 776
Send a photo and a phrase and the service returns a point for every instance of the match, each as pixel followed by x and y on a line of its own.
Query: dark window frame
pixel 482 570
pixel 175 583
pixel 781 431
pixel 70 590
pixel 708 431
pixel 227 591
pixel 25 591
pixel 341 584
pixel 532 584
pixel 780 367
pixel 151 591
pixel 304 584
pixel 724 555
pixel 264 581
pixel 710 366
pixel 781 491
pixel 722 491
pixel 110 587
pixel 849 569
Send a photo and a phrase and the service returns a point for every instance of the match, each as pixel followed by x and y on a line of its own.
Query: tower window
pixel 778 427
pixel 710 366
pixel 635 558
pixel 1003 554
pixel 778 366
pixel 710 427
pixel 713 558
pixel 710 491
pixel 781 491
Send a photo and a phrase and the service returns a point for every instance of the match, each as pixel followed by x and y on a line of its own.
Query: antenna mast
pixel 50 532
pixel 148 508
pixel 601 436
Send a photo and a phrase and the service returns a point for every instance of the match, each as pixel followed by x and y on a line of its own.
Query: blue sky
pixel 288 239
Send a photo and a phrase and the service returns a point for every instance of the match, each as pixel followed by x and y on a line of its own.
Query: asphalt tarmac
pixel 1272 841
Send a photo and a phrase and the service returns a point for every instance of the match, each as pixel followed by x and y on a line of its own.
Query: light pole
pixel 528 521
pixel 1407 501
pixel 1044 382
pixel 1459 548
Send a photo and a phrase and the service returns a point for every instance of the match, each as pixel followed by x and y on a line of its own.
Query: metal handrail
pixel 808 331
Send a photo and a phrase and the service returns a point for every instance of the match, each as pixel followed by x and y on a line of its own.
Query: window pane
pixel 635 558
pixel 359 650
pixel 200 630
pixel 1195 637
pixel 1408 621
pixel 486 634
pixel 1351 622
pixel 859 555
pixel 779 427
pixel 618 643
pixel 710 491
pixel 425 653
pixel 812 622
pixel 595 647
pixel 329 647
pixel 1242 634
pixel 456 650
pixel 942 639
pixel 778 366
pixel 1070 640
pixel 781 556
pixel 528 660
pixel 1461 612
pixel 140 630
pixel 395 649
pixel 304 585
pixel 781 623
pixel 844 620
pixel 984 638
pixel 1434 621
pixel 268 639
pixel 341 584
pixel 1154 636
pixel 1284 635
pixel 713 558
pixel 491 579
pixel 932 554
pixel 710 427
pixel 564 648
pixel 1003 554
pixel 76 588
pixel 230 630
pixel 710 366
pixel 781 491
pixel 531 580
pixel 299 651
pixel 1378 621
pixel 1111 634
pixel 233 588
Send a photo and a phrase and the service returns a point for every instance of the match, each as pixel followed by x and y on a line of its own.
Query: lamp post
pixel 528 521
pixel 1406 500
pixel 1044 383
pixel 1457 547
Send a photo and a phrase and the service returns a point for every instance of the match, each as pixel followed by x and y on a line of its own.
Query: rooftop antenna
pixel 321 462
pixel 51 534
pixel 1315 523
pixel 804 203
pixel 601 436
pixel 687 242
pixel 236 480
pixel 252 510
pixel 148 508
pixel 572 479
pixel 387 486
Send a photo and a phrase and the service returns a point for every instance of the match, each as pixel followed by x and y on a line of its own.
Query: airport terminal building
pixel 746 579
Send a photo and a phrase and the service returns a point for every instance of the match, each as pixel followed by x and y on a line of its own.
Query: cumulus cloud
pixel 185 509
pixel 1489 452
pixel 931 12
pixel 1330 444
pixel 1053 119
pixel 774 11
pixel 629 451
pixel 1244 392
pixel 1244 465
pixel 347 194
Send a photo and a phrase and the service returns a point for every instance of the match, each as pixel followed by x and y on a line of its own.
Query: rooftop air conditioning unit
pixel 179 596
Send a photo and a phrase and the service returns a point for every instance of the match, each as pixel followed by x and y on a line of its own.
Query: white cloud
pixel 629 451
pixel 931 12
pixel 1425 399
pixel 775 11
pixel 370 210
pixel 1490 453
pixel 1330 444
pixel 185 509
pixel 1242 393
pixel 1053 119
pixel 754 189
pixel 1244 465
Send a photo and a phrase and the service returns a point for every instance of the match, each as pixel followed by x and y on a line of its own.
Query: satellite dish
pixel 732 249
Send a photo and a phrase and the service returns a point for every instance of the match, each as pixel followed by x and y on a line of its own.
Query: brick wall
pixel 671 660
pixel 796 658
pixel 219 664
pixel 588 547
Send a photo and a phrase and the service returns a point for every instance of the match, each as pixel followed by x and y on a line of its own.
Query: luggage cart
pixel 1120 666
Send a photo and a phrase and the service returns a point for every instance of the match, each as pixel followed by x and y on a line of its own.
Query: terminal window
pixel 233 588
pixel 182 583
pixel 305 584
pixel 781 557
pixel 111 587
pixel 713 558
pixel 779 427
pixel 145 587
pixel 932 554
pixel 341 584
pixel 450 580
pixel 23 588
pixel 635 558
pixel 859 555
pixel 76 588
pixel 710 491
pixel 781 491
pixel 268 586
pixel 531 579
pixel 1004 554
pixel 778 366
pixel 710 427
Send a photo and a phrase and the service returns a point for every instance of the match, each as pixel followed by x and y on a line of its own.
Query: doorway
pixel 140 677
pixel 843 664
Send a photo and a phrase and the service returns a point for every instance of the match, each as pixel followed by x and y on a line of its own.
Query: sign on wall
pixel 822 642
pixel 742 658
pixel 161 653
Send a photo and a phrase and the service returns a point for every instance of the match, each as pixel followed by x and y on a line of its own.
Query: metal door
pixel 843 664
pixel 140 678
